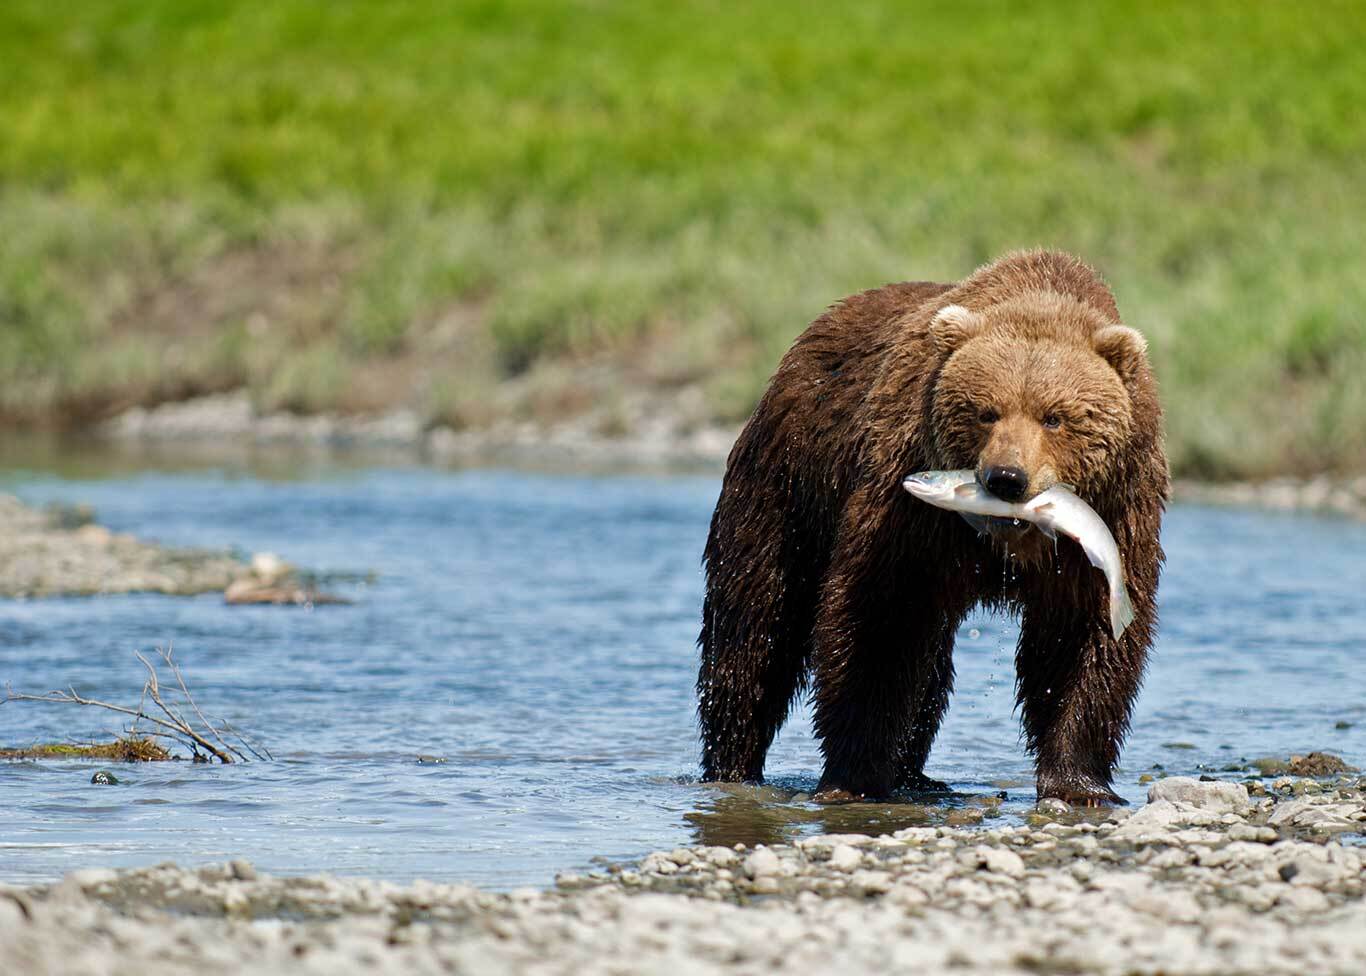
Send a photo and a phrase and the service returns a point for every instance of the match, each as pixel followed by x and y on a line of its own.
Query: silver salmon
pixel 1057 510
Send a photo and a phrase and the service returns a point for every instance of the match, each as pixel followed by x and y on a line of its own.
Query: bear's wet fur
pixel 824 574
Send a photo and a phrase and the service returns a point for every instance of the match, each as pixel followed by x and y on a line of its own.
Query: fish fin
pixel 1042 525
pixel 1071 488
pixel 1094 555
pixel 976 521
pixel 963 491
pixel 1121 611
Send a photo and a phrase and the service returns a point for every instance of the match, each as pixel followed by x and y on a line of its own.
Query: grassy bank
pixel 355 205
pixel 125 749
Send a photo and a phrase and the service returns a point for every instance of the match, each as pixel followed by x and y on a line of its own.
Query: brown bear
pixel 823 573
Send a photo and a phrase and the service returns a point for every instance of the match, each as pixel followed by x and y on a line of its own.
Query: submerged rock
pixel 248 591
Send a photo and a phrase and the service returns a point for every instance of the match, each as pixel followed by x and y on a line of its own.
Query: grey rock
pixel 766 885
pixel 1214 797
pixel 1305 870
pixel 1312 813
pixel 661 864
pixel 1150 822
pixel 722 857
pixel 1249 833
pixel 1305 900
pixel 999 860
pixel 1169 906
pixel 871 882
pixel 845 858
pixel 762 863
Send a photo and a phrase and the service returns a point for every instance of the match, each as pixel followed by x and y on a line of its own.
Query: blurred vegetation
pixel 352 205
pixel 128 748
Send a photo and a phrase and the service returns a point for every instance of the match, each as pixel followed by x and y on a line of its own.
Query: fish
pixel 1056 510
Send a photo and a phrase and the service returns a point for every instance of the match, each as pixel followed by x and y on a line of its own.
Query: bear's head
pixel 1034 392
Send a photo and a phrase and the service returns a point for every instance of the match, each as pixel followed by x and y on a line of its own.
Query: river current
pixel 536 632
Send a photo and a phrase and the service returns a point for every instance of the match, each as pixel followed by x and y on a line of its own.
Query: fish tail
pixel 1121 611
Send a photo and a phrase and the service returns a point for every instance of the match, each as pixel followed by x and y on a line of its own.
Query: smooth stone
pixel 845 858
pixel 1215 797
pixel 767 885
pixel 760 864
pixel 999 860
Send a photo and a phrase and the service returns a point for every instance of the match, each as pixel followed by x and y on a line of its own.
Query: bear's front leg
pixel 883 672
pixel 1076 689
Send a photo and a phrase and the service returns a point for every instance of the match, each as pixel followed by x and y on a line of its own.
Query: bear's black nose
pixel 1007 484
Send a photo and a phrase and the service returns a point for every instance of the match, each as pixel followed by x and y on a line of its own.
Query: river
pixel 536 631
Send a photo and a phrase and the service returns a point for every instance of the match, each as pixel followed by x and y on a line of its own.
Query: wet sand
pixel 1204 878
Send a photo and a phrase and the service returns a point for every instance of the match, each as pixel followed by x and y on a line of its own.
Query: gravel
pixel 1321 493
pixel 1205 878
pixel 638 429
pixel 61 552
pixel 41 556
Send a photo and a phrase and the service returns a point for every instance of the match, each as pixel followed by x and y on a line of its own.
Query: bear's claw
pixel 920 783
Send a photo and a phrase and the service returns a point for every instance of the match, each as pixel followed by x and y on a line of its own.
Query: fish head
pixel 932 486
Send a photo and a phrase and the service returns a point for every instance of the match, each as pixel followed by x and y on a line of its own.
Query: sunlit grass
pixel 477 188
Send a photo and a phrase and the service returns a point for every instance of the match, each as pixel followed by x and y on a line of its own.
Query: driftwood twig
pixel 206 738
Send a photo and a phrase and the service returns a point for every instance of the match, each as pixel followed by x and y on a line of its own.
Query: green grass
pixel 348 205
pixel 128 748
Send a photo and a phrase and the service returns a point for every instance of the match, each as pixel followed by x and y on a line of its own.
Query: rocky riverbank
pixel 1203 879
pixel 63 552
pixel 639 431
pixel 1320 493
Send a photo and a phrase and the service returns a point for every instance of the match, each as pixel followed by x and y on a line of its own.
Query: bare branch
pixel 180 679
pixel 257 750
pixel 171 723
pixel 153 690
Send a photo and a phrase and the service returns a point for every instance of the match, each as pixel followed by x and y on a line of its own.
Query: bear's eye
pixel 1052 421
pixel 988 416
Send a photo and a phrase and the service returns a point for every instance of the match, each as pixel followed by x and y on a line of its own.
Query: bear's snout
pixel 1006 483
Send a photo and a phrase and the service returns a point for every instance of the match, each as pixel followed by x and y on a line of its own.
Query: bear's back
pixel 826 375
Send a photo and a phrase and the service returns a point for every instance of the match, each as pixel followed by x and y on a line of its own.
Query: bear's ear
pixel 952 326
pixel 1123 348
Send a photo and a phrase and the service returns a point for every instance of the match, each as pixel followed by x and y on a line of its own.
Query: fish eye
pixel 988 416
pixel 1052 421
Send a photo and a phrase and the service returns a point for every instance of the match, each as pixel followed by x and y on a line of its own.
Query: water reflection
pixel 728 814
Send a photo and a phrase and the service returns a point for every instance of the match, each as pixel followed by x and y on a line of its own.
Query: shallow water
pixel 537 631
